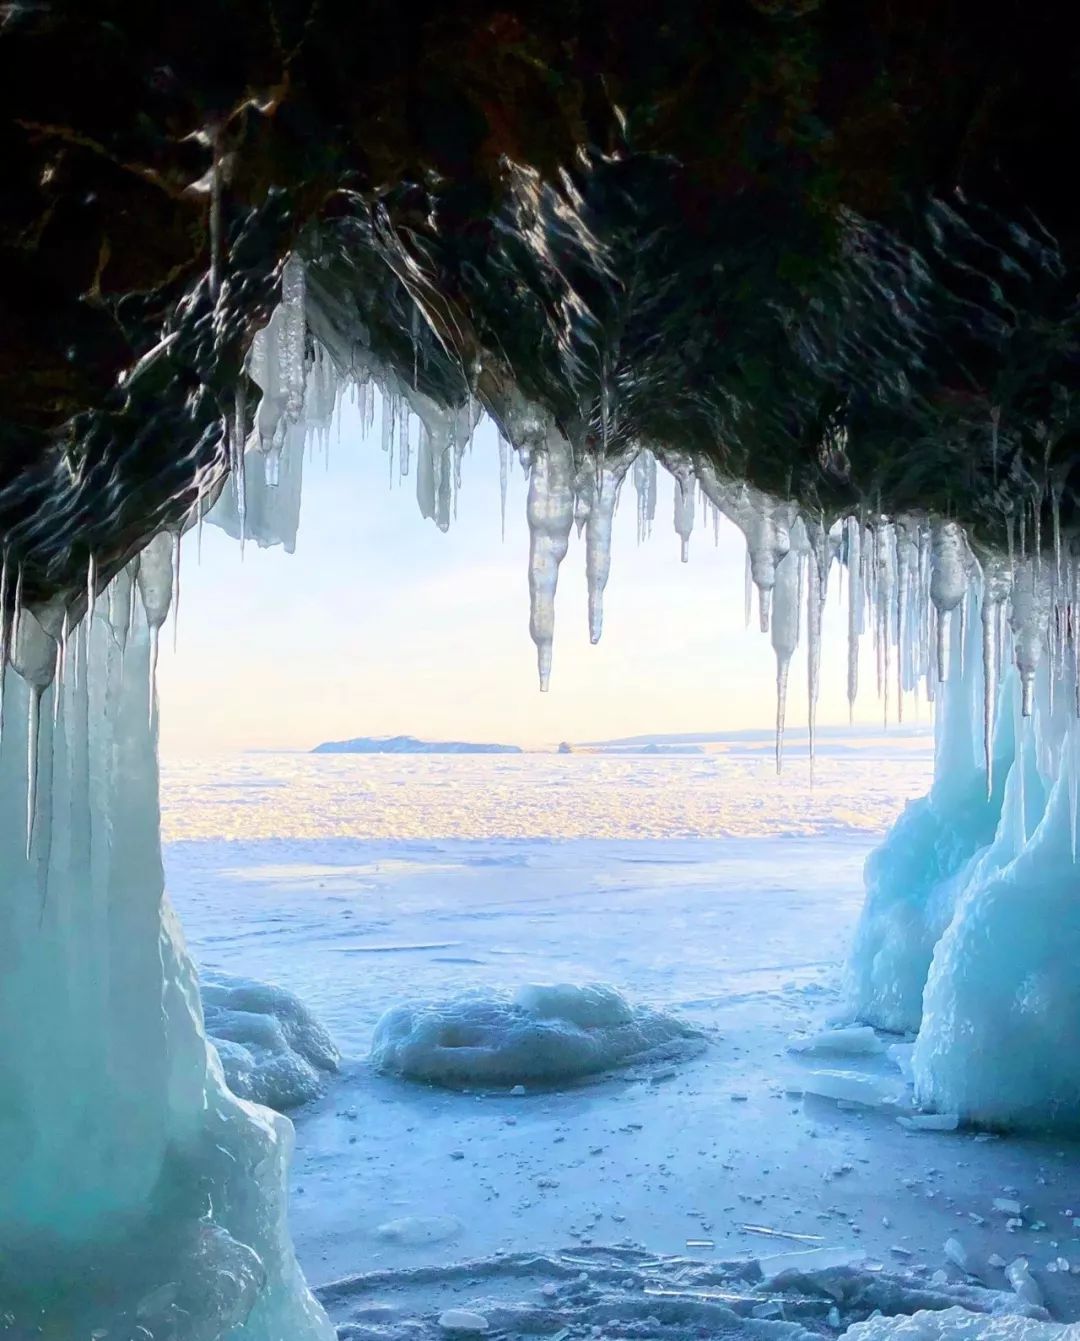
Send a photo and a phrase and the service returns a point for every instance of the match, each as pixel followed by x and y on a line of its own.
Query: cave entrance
pixel 629 845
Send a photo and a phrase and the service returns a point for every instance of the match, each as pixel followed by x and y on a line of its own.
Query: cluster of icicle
pixel 46 645
pixel 906 577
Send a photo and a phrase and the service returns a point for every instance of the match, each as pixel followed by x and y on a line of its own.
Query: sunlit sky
pixel 380 624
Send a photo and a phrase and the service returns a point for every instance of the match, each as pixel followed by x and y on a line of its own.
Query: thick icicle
pixel 785 629
pixel 995 589
pixel 855 600
pixel 155 580
pixel 1028 617
pixel 33 656
pixel 606 490
pixel 550 512
pixel 685 485
pixel 949 567
pixel 645 488
pixel 504 453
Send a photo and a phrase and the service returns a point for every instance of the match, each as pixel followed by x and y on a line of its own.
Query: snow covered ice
pixel 544 1035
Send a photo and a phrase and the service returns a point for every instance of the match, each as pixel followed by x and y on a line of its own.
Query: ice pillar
pixel 137 1196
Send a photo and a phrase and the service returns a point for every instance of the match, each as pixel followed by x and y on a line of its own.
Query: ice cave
pixel 817 262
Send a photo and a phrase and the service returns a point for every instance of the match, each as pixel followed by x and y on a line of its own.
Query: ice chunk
pixel 1019 1276
pixel 545 1034
pixel 929 1121
pixel 272 1049
pixel 956 1253
pixel 416 1230
pixel 854 1041
pixel 462 1320
pixel 809 1260
pixel 853 1087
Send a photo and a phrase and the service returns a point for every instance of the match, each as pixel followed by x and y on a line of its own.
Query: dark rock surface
pixel 832 246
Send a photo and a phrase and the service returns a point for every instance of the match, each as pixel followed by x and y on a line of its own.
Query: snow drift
pixel 543 1035
pixel 272 1049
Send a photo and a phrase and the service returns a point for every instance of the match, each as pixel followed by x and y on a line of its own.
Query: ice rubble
pixel 272 1049
pixel 139 1196
pixel 543 1035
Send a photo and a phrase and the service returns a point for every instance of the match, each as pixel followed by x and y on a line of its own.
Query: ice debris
pixel 854 1041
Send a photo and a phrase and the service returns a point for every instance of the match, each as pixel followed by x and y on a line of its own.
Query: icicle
pixel 854 567
pixel 785 637
pixel 155 579
pixel 684 510
pixel 815 607
pixel 1028 618
pixel 748 587
pixel 598 539
pixel 239 448
pixel 293 333
pixel 948 583
pixel 504 452
pixel 645 488
pixel 995 590
pixel 33 656
pixel 61 658
pixel 176 587
pixel 1055 503
pixel 550 512
pixel 91 586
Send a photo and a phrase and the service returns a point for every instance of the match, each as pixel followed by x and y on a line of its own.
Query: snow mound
pixel 957 1324
pixel 272 1049
pixel 544 1034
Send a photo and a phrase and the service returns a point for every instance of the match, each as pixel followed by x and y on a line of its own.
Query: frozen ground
pixel 740 931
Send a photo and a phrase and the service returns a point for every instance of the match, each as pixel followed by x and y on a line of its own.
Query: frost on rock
pixel 543 1035
pixel 272 1049
pixel 140 1197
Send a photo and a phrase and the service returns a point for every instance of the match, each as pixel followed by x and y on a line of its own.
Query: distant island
pixel 409 745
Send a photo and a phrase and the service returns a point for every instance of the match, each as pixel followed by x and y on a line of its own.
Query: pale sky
pixel 380 624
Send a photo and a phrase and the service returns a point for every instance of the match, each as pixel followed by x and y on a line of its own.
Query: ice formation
pixel 272 1049
pixel 140 1197
pixel 153 1181
pixel 543 1035
pixel 970 929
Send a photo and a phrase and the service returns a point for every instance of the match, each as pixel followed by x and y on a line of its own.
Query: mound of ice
pixel 272 1049
pixel 544 1034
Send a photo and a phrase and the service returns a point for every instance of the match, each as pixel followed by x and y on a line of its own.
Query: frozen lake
pixel 698 884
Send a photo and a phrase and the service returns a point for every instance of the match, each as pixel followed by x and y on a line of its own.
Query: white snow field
pixel 742 934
